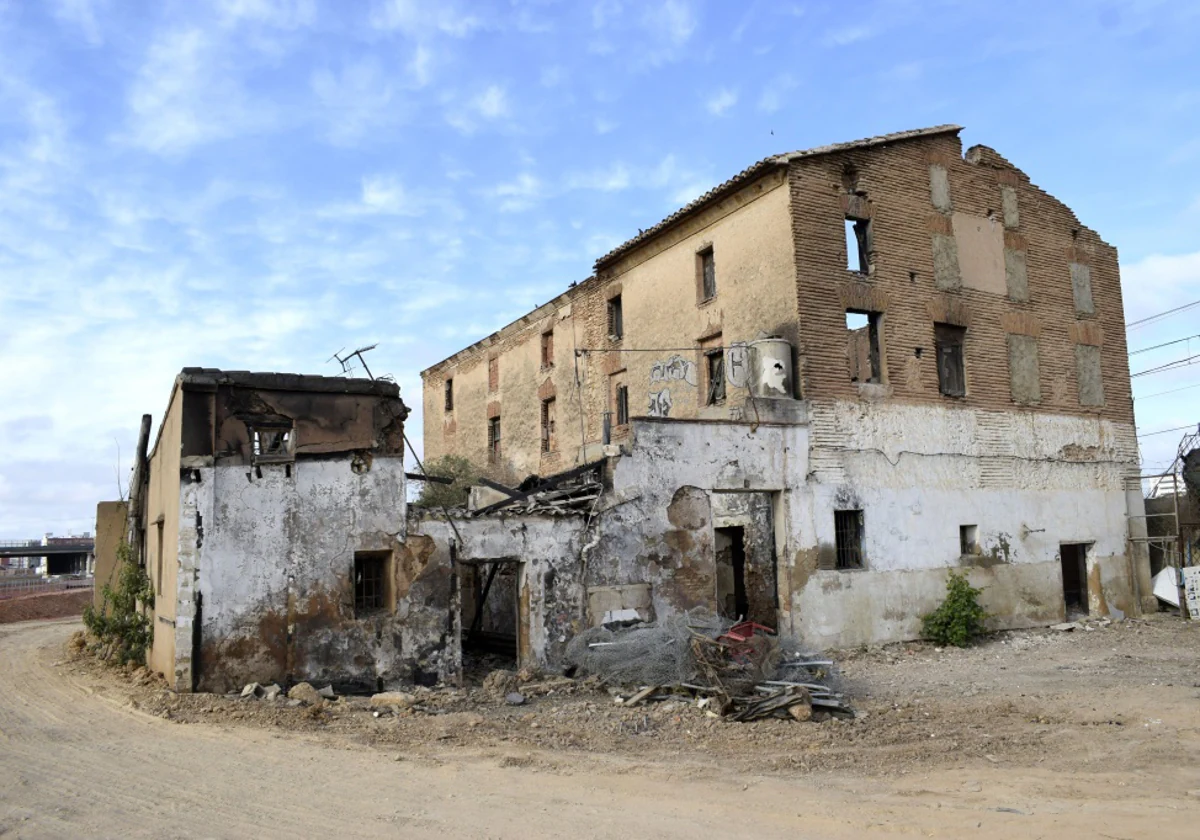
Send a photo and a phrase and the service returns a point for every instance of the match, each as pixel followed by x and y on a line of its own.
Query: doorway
pixel 744 543
pixel 1074 578
pixel 490 617
pixel 731 573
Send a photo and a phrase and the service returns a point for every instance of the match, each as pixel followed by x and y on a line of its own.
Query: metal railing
pixel 20 587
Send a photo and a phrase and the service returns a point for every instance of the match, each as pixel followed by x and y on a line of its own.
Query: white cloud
pixel 420 17
pixel 775 94
pixel 356 102
pixel 490 105
pixel 604 126
pixel 184 96
pixel 613 179
pixel 721 101
pixel 80 13
pixel 519 194
pixel 282 14
pixel 847 35
pixel 673 20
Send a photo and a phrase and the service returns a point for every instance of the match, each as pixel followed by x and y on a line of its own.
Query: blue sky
pixel 258 183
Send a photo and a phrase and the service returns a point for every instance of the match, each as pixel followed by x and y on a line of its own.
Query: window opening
pixel 493 440
pixel 616 319
pixel 858 245
pixel 848 535
pixel 549 443
pixel 622 405
pixel 716 376
pixel 494 373
pixel 865 362
pixel 968 539
pixel 949 340
pixel 271 443
pixel 159 560
pixel 370 575
pixel 708 274
pixel 548 349
pixel 449 394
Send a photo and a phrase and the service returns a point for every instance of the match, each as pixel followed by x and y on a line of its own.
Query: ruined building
pixel 810 393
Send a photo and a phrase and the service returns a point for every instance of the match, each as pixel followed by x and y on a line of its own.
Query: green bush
pixel 960 618
pixel 121 623
pixel 464 473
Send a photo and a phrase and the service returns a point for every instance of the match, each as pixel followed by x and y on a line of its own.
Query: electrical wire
pixel 1165 344
pixel 1178 363
pixel 1164 431
pixel 1172 391
pixel 1141 322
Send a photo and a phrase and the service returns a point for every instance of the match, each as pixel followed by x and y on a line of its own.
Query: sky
pixel 257 184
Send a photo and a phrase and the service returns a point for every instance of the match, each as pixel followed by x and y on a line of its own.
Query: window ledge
pixel 705 302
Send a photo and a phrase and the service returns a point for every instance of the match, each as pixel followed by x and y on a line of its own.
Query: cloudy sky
pixel 258 183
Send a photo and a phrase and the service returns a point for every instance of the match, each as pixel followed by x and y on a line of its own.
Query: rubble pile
pixel 742 671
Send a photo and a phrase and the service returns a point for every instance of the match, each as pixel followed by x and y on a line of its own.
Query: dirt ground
pixel 1094 732
pixel 51 605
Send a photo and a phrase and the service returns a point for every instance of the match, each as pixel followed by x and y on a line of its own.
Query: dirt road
pixel 79 760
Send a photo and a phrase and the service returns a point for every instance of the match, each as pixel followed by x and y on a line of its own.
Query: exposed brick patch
pixel 493 409
pixel 546 390
pixel 1021 323
pixel 1087 332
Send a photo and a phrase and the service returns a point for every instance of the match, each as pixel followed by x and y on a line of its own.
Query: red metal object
pixel 738 638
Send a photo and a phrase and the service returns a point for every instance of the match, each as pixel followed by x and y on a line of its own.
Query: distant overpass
pixel 62 558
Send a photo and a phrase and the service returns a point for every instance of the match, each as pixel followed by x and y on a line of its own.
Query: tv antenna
pixel 345 359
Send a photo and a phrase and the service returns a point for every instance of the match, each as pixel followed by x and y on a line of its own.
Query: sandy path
pixel 76 763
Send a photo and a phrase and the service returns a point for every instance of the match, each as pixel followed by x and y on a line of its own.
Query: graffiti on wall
pixel 674 369
pixel 660 403
pixel 737 364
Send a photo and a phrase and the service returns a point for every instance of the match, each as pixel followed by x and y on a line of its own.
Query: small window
pixel 848 533
pixel 616 319
pixel 271 444
pixel 948 341
pixel 622 405
pixel 370 579
pixel 866 365
pixel 493 442
pixel 707 269
pixel 715 360
pixel 494 373
pixel 549 443
pixel 448 392
pixel 858 245
pixel 548 349
pixel 968 539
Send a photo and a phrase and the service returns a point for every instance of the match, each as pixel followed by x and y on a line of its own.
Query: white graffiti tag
pixel 660 403
pixel 674 369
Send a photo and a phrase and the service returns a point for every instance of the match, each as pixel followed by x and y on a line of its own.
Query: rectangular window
pixel 548 349
pixel 271 444
pixel 494 373
pixel 948 343
pixel 493 442
pixel 858 245
pixel 549 443
pixel 616 319
pixel 715 360
pixel 848 535
pixel 706 267
pixel 622 405
pixel 1087 371
pixel 1081 288
pixel 968 539
pixel 370 580
pixel 159 559
pixel 448 392
pixel 866 363
pixel 1023 370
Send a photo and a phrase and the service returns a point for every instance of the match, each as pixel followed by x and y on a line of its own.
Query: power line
pixel 1172 391
pixel 1168 366
pixel 1164 431
pixel 1165 344
pixel 1148 319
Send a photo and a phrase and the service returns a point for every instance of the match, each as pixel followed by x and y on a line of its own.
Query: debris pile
pixel 573 491
pixel 743 671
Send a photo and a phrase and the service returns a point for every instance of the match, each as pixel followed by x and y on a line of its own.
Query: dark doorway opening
pixel 1074 578
pixel 732 602
pixel 490 616
pixel 66 564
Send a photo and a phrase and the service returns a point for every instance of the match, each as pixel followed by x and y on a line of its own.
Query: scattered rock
pixel 306 694
pixel 500 682
pixel 801 712
pixel 528 674
pixel 327 692
pixel 1066 626
pixel 393 700
pixel 514 698
pixel 272 691
pixel 252 690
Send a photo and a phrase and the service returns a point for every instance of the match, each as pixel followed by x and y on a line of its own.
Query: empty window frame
pixel 865 355
pixel 948 341
pixel 616 319
pixel 549 441
pixel 706 274
pixel 494 373
pixel 968 539
pixel 858 245
pixel 548 349
pixel 715 376
pixel 370 581
pixel 271 444
pixel 448 394
pixel 493 440
pixel 848 538
pixel 622 405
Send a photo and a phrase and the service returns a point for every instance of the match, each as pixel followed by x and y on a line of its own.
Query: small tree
pixel 121 623
pixel 435 495
pixel 960 617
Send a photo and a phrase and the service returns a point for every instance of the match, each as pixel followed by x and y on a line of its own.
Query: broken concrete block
pixel 305 693
pixel 514 698
pixel 327 692
pixel 1066 626
pixel 270 692
pixel 252 690
pixel 393 699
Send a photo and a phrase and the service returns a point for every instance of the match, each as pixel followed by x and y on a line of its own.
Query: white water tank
pixel 771 368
